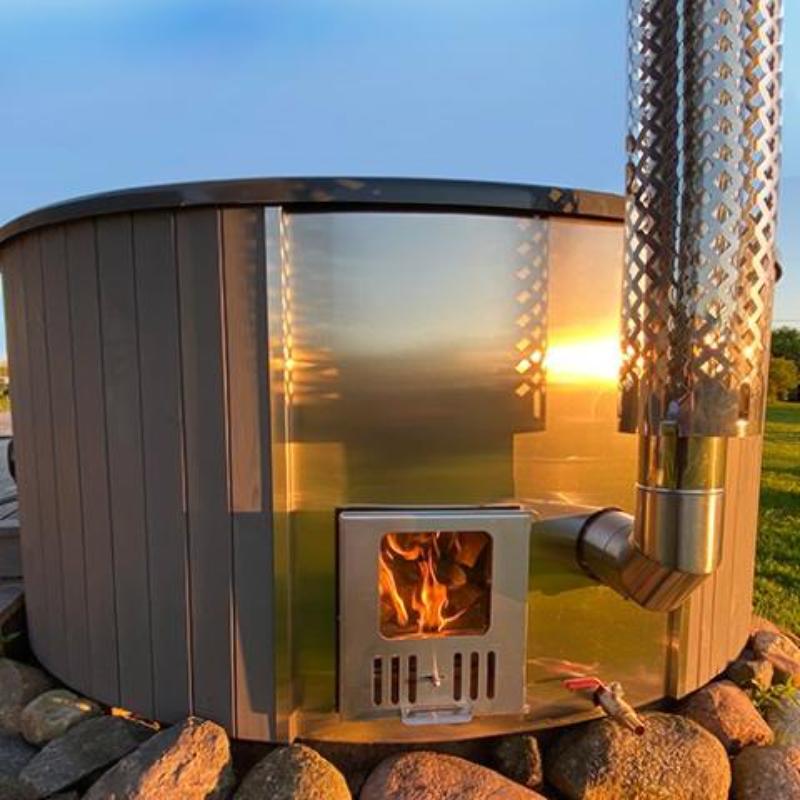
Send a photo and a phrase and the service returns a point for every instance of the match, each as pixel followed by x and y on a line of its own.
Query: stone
pixel 724 710
pixel 762 624
pixel 53 713
pixel 91 745
pixel 424 775
pixel 188 761
pixel 356 761
pixel 781 652
pixel 767 773
pixel 518 758
pixel 14 789
pixel 15 753
pixel 783 717
pixel 19 684
pixel 675 759
pixel 750 673
pixel 293 773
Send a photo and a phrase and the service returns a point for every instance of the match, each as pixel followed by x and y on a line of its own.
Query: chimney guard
pixel 702 178
pixel 700 219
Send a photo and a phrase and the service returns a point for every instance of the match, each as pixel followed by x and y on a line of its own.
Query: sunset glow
pixel 590 360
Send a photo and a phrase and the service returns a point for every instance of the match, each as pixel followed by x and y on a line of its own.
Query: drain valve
pixel 611 698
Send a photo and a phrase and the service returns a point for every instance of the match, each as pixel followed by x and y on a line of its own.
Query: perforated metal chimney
pixel 702 185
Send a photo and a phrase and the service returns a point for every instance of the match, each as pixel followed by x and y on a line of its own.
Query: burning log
pixel 469 549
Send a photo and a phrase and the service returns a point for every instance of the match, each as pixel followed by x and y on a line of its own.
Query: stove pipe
pixel 702 181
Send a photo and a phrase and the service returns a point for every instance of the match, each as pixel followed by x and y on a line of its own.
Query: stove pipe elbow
pixel 702 184
pixel 673 542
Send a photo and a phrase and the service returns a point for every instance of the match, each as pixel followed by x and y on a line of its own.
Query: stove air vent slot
pixel 471 672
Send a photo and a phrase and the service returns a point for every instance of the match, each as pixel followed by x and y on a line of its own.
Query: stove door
pixel 432 613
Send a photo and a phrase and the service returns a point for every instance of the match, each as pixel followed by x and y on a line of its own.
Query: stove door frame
pixel 362 649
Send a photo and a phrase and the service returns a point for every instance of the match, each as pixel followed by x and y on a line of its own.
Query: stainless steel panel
pixel 279 322
pixel 582 461
pixel 395 365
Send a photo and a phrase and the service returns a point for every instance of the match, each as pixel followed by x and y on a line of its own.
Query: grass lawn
pixel 777 589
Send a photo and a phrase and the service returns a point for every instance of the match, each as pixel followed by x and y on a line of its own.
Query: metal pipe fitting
pixel 679 500
pixel 607 550
pixel 611 698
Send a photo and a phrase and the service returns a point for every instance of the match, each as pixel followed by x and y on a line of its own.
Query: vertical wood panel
pixel 159 353
pixel 722 621
pixel 245 303
pixel 70 521
pixel 93 468
pixel 713 625
pixel 683 632
pixel 125 464
pixel 202 348
pixel 44 453
pixel 747 531
pixel 19 365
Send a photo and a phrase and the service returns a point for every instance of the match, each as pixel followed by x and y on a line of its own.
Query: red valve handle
pixel 582 684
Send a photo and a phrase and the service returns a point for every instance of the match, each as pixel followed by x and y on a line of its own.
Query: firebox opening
pixel 434 584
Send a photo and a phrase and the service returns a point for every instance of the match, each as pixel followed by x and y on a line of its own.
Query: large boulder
pixel 19 684
pixel 356 761
pixel 53 713
pixel 675 759
pixel 518 758
pixel 189 761
pixel 781 652
pixel 15 753
pixel 293 773
pixel 424 775
pixel 82 750
pixel 767 773
pixel 748 673
pixel 783 716
pixel 13 789
pixel 724 710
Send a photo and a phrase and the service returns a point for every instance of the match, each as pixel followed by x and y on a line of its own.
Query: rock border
pixel 741 732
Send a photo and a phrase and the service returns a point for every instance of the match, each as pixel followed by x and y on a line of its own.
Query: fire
pixel 389 589
pixel 432 600
pixel 434 583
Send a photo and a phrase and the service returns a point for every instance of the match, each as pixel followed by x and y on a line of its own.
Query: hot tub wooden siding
pixel 137 345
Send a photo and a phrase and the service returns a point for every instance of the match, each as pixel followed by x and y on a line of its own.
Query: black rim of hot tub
pixel 331 194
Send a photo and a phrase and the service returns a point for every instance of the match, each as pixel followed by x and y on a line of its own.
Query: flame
pixel 421 575
pixel 389 589
pixel 432 599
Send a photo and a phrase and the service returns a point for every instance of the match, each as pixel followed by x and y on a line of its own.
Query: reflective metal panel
pixel 581 462
pixel 414 348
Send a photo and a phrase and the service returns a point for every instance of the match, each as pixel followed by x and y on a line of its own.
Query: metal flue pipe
pixel 702 184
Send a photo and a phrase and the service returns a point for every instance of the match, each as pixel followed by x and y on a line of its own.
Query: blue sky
pixel 102 94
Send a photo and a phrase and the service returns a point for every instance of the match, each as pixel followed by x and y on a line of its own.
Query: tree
pixel 783 378
pixel 786 344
